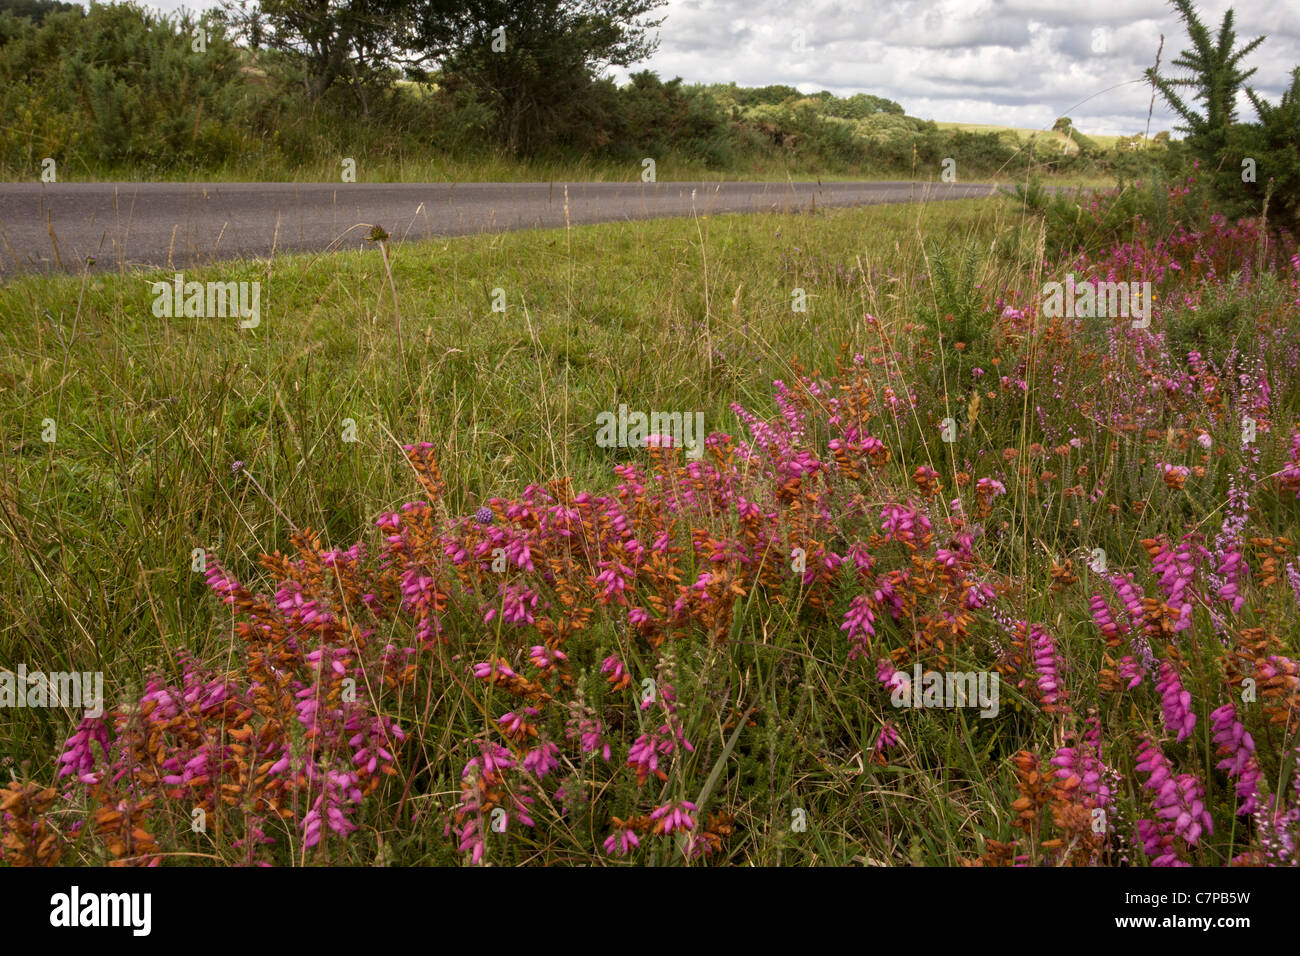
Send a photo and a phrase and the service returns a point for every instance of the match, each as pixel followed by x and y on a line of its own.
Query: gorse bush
pixel 121 85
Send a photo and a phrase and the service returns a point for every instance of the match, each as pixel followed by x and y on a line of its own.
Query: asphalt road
pixel 56 226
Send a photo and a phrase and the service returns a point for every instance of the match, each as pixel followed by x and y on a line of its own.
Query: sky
pixel 1003 62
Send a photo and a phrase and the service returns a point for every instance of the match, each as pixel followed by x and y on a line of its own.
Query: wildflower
pixel 674 816
pixel 516 726
pixel 1110 628
pixel 583 725
pixel 1130 595
pixel 1232 569
pixel 889 737
pixel 646 750
pixel 618 678
pixel 543 658
pixel 621 842
pixel 858 624
pixel 1179 804
pixel 1046 663
pixel 901 523
pixel 1131 670
pixel 1175 702
pixel 542 760
pixel 892 679
pixel 1238 749
pixel 1175 475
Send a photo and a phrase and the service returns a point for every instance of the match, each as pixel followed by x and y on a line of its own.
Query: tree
pixel 1240 158
pixel 331 40
pixel 37 10
pixel 534 61
pixel 1277 148
pixel 1215 81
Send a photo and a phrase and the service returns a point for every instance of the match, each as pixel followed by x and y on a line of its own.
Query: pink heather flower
pixel 1130 595
pixel 665 697
pixel 1047 664
pixel 646 750
pixel 889 737
pixel 1132 670
pixel 542 760
pixel 614 579
pixel 1238 749
pixel 1158 844
pixel 1175 702
pixel 1105 620
pixel 543 657
pixel 222 583
pixel 582 724
pixel 862 561
pixel 621 842
pixel 902 523
pixel 892 679
pixel 1290 475
pixel 1204 440
pixel 658 441
pixel 1177 568
pixel 1178 801
pixel 488 670
pixel 78 757
pixel 1232 568
pixel 1084 762
pixel 858 624
pixel 513 724
pixel 675 816
pixel 518 604
pixel 614 668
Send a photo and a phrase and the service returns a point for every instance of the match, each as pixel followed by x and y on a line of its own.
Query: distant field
pixel 1027 134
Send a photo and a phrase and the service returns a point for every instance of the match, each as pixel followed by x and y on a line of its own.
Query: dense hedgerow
pixel 118 87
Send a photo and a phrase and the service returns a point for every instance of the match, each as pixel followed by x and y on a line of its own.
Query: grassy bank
pixel 172 435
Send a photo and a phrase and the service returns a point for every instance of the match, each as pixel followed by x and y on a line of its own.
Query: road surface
pixel 56 226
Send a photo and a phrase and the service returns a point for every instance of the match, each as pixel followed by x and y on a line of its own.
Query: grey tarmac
pixel 56 226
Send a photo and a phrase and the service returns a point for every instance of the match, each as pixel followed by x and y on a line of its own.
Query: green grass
pixel 151 412
pixel 373 165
